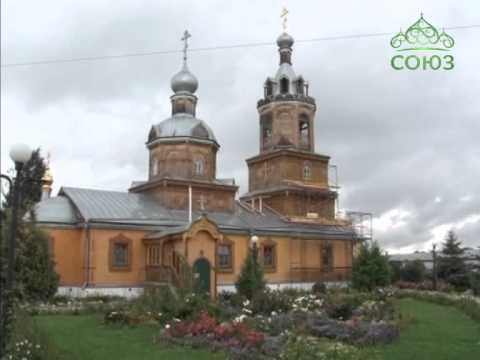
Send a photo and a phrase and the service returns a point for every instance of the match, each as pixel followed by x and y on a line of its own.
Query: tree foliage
pixel 370 268
pixel 413 271
pixel 251 280
pixel 30 184
pixel 451 266
pixel 35 274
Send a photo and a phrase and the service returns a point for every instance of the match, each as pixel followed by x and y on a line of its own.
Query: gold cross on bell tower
pixel 283 15
pixel 185 37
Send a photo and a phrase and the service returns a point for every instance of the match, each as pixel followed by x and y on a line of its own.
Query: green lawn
pixel 83 338
pixel 437 332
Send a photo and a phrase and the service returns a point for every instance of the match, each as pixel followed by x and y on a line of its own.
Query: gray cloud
pixel 400 138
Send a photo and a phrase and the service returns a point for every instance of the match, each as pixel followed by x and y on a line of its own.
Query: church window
pixel 284 84
pixel 225 256
pixel 267 133
pixel 120 253
pixel 180 107
pixel 269 256
pixel 307 170
pixel 304 131
pixel 300 86
pixel 327 257
pixel 269 88
pixel 199 167
pixel 154 167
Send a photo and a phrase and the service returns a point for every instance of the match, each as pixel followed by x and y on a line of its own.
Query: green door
pixel 201 273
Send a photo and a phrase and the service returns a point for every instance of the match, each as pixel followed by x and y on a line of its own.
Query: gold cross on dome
pixel 185 37
pixel 283 15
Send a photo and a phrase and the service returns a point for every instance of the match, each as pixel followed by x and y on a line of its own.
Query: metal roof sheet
pixel 140 209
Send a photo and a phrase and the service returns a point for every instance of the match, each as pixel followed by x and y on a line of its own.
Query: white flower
pixel 274 313
pixel 239 318
pixel 167 326
pixel 246 303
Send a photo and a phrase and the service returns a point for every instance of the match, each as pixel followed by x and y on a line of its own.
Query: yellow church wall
pixel 67 248
pixel 101 273
pixel 240 249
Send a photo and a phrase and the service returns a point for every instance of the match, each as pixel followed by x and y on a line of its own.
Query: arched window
pixel 154 167
pixel 304 131
pixel 180 106
pixel 268 88
pixel 199 167
pixel 284 84
pixel 300 86
pixel 307 170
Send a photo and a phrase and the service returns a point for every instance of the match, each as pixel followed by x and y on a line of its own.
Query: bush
pixel 319 288
pixel 35 268
pixel 413 271
pixel 475 283
pixel 370 268
pixel 306 348
pixel 27 342
pixel 269 301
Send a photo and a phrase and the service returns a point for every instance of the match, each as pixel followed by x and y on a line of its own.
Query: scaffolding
pixel 362 223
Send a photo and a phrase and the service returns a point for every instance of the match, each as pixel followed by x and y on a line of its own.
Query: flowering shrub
pixel 25 350
pixel 269 301
pixel 310 348
pixel 425 285
pixel 205 329
pixel 308 303
pixel 375 310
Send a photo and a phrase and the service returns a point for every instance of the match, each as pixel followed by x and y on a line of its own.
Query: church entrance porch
pixel 201 275
pixel 169 251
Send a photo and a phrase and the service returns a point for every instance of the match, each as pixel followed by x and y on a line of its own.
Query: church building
pixel 114 242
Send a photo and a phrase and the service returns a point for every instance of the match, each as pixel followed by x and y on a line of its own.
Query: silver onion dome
pixel 285 40
pixel 184 80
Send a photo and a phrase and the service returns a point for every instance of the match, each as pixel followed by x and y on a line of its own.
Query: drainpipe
pixel 87 254
pixel 189 204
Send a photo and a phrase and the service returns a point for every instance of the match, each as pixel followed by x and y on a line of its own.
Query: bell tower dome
pixel 288 175
pixel 286 110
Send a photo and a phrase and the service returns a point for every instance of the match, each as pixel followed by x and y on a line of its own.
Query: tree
pixel 35 274
pixel 413 271
pixel 251 280
pixel 31 185
pixel 474 276
pixel 35 268
pixel 370 268
pixel 451 265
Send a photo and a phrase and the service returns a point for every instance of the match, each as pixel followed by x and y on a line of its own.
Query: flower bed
pixel 263 328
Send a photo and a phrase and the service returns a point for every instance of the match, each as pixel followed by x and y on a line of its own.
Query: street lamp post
pixel 20 154
pixel 254 240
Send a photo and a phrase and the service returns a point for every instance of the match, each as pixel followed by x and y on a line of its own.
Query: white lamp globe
pixel 20 153
pixel 254 239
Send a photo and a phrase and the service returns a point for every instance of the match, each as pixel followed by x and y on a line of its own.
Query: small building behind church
pixel 120 242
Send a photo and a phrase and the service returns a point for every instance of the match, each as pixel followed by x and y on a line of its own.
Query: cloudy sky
pixel 406 143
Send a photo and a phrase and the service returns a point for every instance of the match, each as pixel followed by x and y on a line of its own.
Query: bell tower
pixel 287 174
